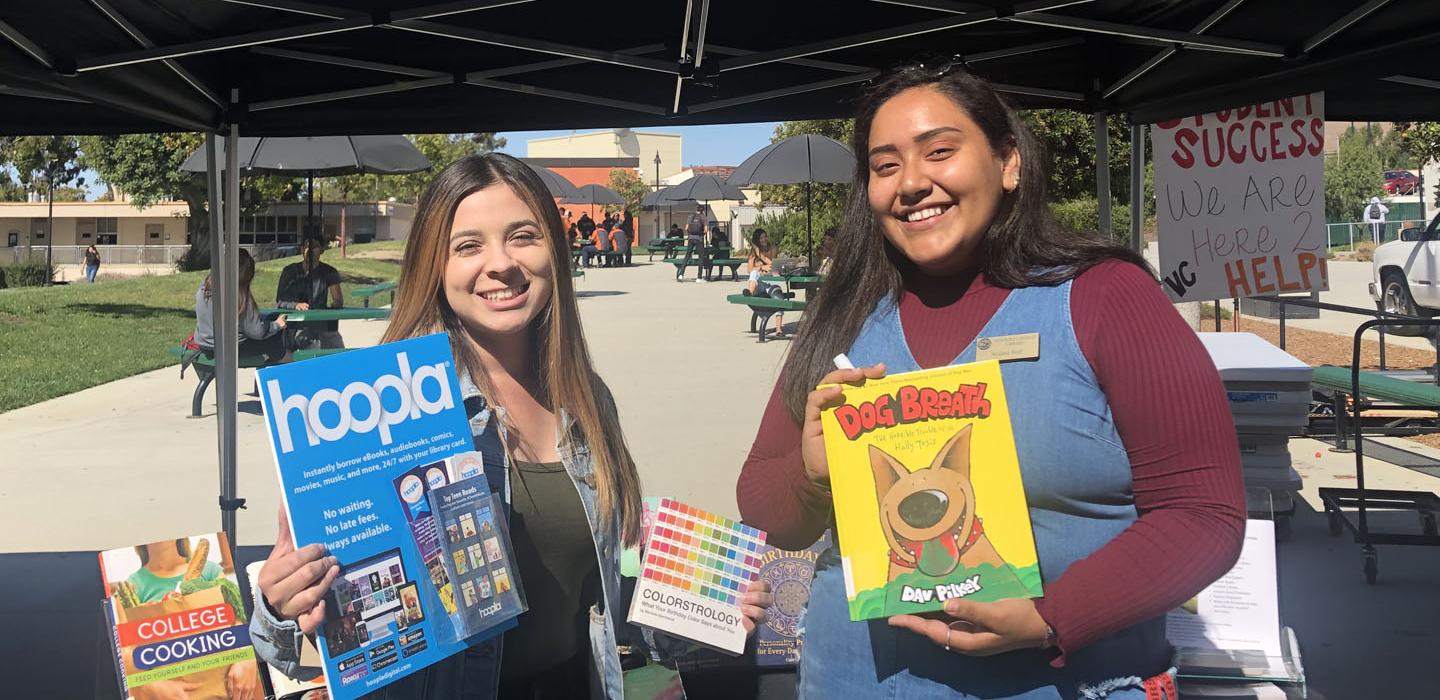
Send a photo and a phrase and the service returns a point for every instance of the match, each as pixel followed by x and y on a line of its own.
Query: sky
pixel 720 144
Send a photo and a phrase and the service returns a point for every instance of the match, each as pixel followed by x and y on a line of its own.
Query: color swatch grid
pixel 701 552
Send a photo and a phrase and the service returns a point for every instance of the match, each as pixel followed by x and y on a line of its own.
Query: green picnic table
pixel 365 293
pixel 205 368
pixel 762 309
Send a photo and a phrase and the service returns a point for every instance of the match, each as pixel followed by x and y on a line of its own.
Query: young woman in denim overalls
pixel 487 262
pixel 947 239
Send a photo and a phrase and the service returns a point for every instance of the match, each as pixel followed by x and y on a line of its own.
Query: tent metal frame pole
pixel 228 334
pixel 1150 34
pixel 1342 24
pixel 24 43
pixel 1157 59
pixel 1102 174
pixel 538 46
pixel 144 41
pixel 1137 187
pixel 856 40
pixel 782 92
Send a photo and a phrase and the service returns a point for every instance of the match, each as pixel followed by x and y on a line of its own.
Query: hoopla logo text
pixel 408 385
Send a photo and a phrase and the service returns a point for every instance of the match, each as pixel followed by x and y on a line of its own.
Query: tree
pixel 440 149
pixel 47 163
pixel 1069 140
pixel 1419 144
pixel 1352 176
pixel 146 167
pixel 630 186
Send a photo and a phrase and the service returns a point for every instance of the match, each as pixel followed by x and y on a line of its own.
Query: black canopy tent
pixel 378 66
pixel 296 67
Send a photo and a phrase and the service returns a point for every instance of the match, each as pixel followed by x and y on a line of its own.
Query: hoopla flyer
pixel 343 428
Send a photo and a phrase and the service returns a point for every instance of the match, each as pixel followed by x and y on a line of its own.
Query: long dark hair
pixel 560 354
pixel 1022 247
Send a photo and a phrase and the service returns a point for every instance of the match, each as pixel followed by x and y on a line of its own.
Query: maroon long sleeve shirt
pixel 1169 408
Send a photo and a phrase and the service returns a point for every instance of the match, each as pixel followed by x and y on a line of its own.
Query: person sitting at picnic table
pixel 620 243
pixel 603 245
pixel 826 251
pixel 626 226
pixel 311 284
pixel 760 261
pixel 718 238
pixel 1125 439
pixel 257 336
pixel 674 231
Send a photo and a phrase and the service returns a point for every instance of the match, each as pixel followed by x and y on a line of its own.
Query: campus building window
pixel 154 233
pixel 38 229
pixel 278 230
pixel 107 230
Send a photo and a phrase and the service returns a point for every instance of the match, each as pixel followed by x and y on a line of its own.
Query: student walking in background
pixel 1374 217
pixel 92 262
pixel 1125 441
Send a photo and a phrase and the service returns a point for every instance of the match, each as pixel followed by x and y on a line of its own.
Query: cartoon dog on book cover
pixel 929 498
pixel 928 515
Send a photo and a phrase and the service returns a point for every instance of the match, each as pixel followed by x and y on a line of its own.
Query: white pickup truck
pixel 1406 275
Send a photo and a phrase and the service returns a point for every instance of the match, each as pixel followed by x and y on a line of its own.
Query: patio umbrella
pixel 325 156
pixel 559 187
pixel 595 194
pixel 799 159
pixel 701 188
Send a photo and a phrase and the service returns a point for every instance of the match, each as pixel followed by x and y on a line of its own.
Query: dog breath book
pixel 929 503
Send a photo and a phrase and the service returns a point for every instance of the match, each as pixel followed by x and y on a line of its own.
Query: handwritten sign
pixel 1240 201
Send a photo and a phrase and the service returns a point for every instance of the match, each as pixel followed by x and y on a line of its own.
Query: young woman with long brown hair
pixel 257 336
pixel 487 263
pixel 1126 446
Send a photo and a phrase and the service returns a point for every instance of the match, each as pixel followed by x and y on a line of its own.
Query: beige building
pixel 126 234
pixel 617 143
pixel 100 223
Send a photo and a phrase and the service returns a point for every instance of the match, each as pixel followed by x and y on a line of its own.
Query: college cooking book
pixel 346 431
pixel 929 503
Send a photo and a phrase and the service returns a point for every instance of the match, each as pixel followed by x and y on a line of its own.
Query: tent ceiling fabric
pixel 378 66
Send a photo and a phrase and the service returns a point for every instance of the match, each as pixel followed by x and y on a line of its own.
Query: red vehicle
pixel 1401 182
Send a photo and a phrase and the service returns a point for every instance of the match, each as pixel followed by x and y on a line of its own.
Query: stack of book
pixel 1269 393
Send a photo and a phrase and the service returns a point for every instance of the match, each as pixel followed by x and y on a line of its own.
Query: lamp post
pixel 657 189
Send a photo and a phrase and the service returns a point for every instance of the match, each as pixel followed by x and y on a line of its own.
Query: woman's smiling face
pixel 935 183
pixel 498 276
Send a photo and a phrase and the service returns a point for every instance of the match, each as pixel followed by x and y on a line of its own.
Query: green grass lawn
pixel 59 340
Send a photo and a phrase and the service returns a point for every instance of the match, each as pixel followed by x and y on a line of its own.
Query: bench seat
pixel 1378 386
pixel 762 309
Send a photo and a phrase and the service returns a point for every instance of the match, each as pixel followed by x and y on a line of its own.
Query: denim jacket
pixel 278 641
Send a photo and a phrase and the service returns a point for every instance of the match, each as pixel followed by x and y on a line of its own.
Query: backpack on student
pixel 1373 212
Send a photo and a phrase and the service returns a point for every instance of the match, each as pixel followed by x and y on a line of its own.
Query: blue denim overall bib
pixel 1077 482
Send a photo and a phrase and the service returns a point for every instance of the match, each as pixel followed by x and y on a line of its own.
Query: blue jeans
pixel 586 253
pixel 90 271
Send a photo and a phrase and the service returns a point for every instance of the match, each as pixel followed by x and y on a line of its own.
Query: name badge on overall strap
pixel 1023 346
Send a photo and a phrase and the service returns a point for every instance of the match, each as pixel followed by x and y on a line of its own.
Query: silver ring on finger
pixel 948 632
